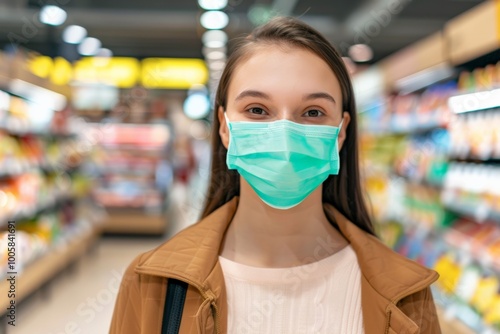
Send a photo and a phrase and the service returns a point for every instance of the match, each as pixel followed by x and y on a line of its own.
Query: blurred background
pixel 105 116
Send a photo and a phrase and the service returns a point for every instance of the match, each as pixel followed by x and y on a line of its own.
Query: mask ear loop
pixel 227 124
pixel 340 128
pixel 340 125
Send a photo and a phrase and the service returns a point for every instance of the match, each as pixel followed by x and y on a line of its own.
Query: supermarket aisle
pixel 82 300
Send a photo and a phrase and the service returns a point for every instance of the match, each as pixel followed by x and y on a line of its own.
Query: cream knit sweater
pixel 320 297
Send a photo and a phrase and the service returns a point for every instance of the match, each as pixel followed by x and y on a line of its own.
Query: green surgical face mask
pixel 283 161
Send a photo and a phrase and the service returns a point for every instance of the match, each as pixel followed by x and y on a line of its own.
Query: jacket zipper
pixel 197 286
pixel 388 322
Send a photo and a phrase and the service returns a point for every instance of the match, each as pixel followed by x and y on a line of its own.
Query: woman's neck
pixel 262 236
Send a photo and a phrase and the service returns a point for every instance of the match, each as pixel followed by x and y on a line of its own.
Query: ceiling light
pixel 103 57
pixel 215 55
pixel 196 106
pixel 212 4
pixel 215 75
pixel 53 15
pixel 214 38
pixel 217 65
pixel 74 34
pixel 214 20
pixel 104 53
pixel 89 47
pixel 360 53
pixel 206 50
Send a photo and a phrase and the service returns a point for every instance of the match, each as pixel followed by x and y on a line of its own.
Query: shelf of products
pixel 43 262
pixel 133 172
pixel 42 182
pixel 409 114
pixel 441 177
pixel 473 190
pixel 466 256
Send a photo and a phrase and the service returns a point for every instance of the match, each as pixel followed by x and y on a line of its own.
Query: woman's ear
pixel 223 128
pixel 346 117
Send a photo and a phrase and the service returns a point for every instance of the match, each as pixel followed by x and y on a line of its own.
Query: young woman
pixel 285 243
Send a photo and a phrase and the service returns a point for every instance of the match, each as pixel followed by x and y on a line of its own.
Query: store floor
pixel 80 300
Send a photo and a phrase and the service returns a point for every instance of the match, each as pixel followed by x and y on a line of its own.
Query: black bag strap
pixel 174 305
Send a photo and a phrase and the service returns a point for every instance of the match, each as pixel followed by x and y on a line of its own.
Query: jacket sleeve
pixel 127 312
pixel 421 309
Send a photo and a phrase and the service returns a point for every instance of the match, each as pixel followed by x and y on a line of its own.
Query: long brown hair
pixel 342 190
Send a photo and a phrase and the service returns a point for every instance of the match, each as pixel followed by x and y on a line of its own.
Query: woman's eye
pixel 257 111
pixel 313 113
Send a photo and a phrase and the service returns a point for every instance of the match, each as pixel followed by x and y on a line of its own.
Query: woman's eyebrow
pixel 252 93
pixel 256 93
pixel 320 95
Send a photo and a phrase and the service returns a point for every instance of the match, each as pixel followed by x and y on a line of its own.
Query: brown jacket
pixel 395 291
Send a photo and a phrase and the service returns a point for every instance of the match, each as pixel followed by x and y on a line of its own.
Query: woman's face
pixel 284 83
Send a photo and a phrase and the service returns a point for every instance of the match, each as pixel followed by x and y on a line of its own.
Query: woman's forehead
pixel 283 71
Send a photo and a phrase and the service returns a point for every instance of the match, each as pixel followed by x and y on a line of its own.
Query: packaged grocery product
pixel 4 107
pixel 492 315
pixel 449 271
pixel 403 108
pixel 468 282
pixel 486 289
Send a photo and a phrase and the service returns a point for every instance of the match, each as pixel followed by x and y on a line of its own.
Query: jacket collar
pixel 192 255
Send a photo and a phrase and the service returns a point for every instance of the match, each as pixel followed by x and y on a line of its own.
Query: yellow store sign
pixel 119 71
pixel 173 73
pixel 123 72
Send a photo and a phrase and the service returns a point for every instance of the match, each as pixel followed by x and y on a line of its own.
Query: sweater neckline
pixel 310 271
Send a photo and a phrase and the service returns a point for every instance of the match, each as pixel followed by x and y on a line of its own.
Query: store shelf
pixel 29 213
pixel 423 181
pixel 4 70
pixel 477 160
pixel 412 130
pixel 134 148
pixel 131 191
pixel 23 81
pixel 134 222
pixel 475 101
pixel 13 172
pixel 44 268
pixel 35 133
pixel 479 212
pixel 451 224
